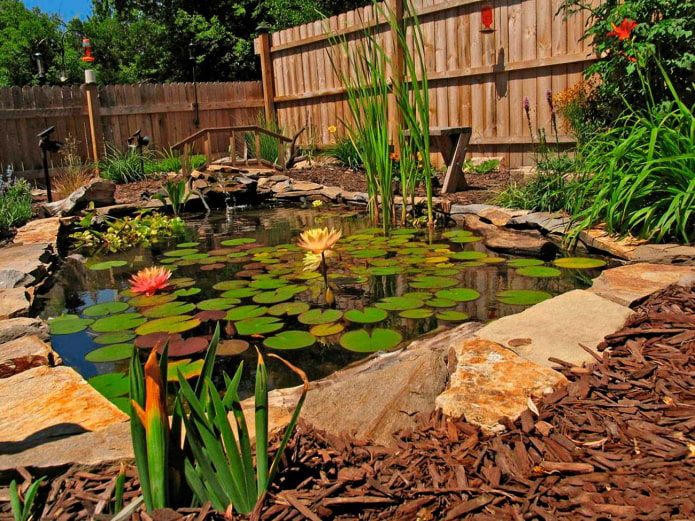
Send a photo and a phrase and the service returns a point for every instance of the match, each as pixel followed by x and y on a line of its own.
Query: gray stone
pixel 110 444
pixel 546 222
pixel 14 328
pixel 356 197
pixel 629 285
pixel 334 193
pixel 664 254
pixel 24 265
pixel 101 193
pixel 490 382
pixel 297 194
pixel 46 403
pixel 14 302
pixel 515 242
pixel 282 186
pixel 24 353
pixel 555 328
pixel 474 209
pixel 246 180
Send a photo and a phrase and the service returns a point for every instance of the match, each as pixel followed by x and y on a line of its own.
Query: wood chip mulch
pixel 616 444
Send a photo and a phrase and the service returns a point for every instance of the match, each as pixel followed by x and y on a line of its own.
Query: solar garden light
pixel 191 56
pixel 136 142
pixel 48 145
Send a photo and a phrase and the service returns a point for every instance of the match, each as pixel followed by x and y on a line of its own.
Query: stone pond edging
pixel 373 400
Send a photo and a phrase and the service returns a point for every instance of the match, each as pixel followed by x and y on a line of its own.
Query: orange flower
pixel 623 30
pixel 155 410
pixel 149 280
pixel 395 156
pixel 318 240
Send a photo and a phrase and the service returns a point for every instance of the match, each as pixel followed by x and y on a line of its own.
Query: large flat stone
pixel 629 285
pixel 14 302
pixel 14 328
pixel 24 265
pixel 305 186
pixel 24 353
pixel 108 445
pixel 664 253
pixel 39 231
pixel 490 382
pixel 508 241
pixel 47 403
pixel 556 327
pixel 602 240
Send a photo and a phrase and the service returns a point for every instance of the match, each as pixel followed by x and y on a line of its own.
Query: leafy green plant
pixel 169 161
pixel 176 193
pixel 22 508
pixel 345 151
pixel 484 167
pixel 268 144
pixel 15 206
pixel 124 166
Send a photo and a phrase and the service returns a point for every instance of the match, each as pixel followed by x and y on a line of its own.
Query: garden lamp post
pixel 196 116
pixel 48 145
pixel 137 142
pixel 39 65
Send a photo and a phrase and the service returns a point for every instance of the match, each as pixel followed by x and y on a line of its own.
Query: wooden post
pixel 93 113
pixel 232 147
pixel 267 74
pixel 396 71
pixel 207 149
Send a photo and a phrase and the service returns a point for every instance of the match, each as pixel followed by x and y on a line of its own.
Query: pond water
pixel 244 269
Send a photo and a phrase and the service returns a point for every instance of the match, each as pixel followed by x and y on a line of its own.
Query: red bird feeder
pixel 87 51
pixel 486 19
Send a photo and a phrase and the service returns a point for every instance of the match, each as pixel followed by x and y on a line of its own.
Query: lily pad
pixel 231 347
pixel 366 315
pixel 218 303
pixel 186 292
pixel 188 245
pixel 68 324
pixel 230 284
pixel 180 253
pixel 439 302
pixel 185 346
pixel 452 316
pixel 182 282
pixel 110 353
pixel 118 322
pixel 238 241
pixel 457 233
pixel 579 263
pixel 383 270
pixel 100 266
pixel 146 301
pixel 268 283
pixel 464 239
pixel 210 315
pixel 278 295
pixel 152 339
pixel 188 369
pixel 524 263
pixel 240 293
pixel 177 324
pixel 111 385
pixel 432 282
pixel 458 294
pixel 369 254
pixel 363 341
pixel 169 309
pixel 290 340
pixel 327 329
pixel 320 316
pixel 288 308
pixel 416 313
pixel 399 303
pixel 244 312
pixel 116 337
pixel 258 326
pixel 522 297
pixel 539 271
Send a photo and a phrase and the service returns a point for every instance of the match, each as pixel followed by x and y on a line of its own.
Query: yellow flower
pixel 312 261
pixel 317 203
pixel 319 240
pixel 332 129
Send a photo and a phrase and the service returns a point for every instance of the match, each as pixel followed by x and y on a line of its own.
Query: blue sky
pixel 67 9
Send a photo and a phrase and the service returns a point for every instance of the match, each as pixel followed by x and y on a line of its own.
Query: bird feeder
pixel 486 19
pixel 87 51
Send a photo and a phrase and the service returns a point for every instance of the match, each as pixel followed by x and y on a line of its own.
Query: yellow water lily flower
pixel 318 240
pixel 312 261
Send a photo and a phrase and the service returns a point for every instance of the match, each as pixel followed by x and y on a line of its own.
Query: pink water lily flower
pixel 150 280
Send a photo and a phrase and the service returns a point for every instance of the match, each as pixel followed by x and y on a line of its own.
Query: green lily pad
pixel 524 263
pixel 244 312
pixel 363 341
pixel 180 253
pixel 111 385
pixel 320 316
pixel 458 294
pixel 493 260
pixel 240 293
pixel 68 324
pixel 366 315
pixel 118 322
pixel 230 284
pixel 231 347
pixel 188 369
pixel 238 241
pixel 218 303
pixel 290 340
pixel 186 292
pixel 268 283
pixel 416 313
pixel 452 316
pixel 177 324
pixel 142 301
pixel 110 353
pixel 539 271
pixel 422 295
pixel 465 239
pixel 432 282
pixel 182 282
pixel 327 329
pixel 278 295
pixel 457 233
pixel 579 263
pixel 288 308
pixel 169 309
pixel 439 302
pixel 100 266
pixel 522 297
pixel 399 303
pixel 122 402
pixel 369 254
pixel 188 245
pixel 383 270
pixel 116 337
pixel 258 326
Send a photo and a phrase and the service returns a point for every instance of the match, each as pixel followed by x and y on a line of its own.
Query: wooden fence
pixel 477 79
pixel 165 112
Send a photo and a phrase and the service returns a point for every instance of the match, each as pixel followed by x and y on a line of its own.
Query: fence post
pixel 267 73
pixel 94 115
pixel 396 71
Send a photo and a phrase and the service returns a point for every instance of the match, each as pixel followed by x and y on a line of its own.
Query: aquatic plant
pixel 319 242
pixel 150 280
pixel 176 193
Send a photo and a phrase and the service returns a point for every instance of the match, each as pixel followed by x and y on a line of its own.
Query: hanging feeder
pixel 87 51
pixel 486 19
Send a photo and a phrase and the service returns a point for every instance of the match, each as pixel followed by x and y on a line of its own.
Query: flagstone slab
pixel 664 253
pixel 19 327
pixel 558 327
pixel 489 383
pixel 14 302
pixel 39 231
pixel 44 404
pixel 602 240
pixel 629 285
pixel 24 264
pixel 24 353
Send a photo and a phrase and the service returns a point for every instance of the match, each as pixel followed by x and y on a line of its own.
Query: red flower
pixel 623 30
pixel 149 280
pixel 395 156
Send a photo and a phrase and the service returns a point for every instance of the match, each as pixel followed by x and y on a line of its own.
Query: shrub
pixel 170 161
pixel 15 206
pixel 484 167
pixel 75 175
pixel 124 167
pixel 345 151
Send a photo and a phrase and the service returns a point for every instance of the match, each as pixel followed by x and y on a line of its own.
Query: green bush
pixel 15 206
pixel 345 151
pixel 485 167
pixel 170 161
pixel 124 166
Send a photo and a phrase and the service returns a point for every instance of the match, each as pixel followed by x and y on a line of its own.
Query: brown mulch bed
pixel 617 443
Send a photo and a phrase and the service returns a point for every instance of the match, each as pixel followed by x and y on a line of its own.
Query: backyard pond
pixel 244 270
